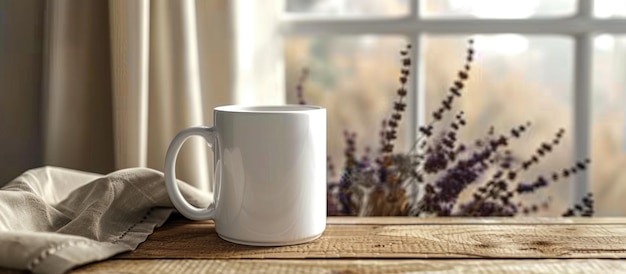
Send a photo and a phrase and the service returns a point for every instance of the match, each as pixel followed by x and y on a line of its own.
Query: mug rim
pixel 289 108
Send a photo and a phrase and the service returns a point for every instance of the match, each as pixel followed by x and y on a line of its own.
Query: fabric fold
pixel 54 219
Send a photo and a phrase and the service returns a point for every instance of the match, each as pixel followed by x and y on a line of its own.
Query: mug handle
pixel 184 207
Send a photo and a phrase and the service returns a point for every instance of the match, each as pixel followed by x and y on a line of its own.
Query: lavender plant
pixel 428 179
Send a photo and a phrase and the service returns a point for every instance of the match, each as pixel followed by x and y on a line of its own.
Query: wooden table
pixel 391 244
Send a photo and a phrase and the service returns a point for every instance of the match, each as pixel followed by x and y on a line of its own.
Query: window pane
pixel 514 79
pixel 349 7
pixel 608 146
pixel 510 9
pixel 609 8
pixel 355 78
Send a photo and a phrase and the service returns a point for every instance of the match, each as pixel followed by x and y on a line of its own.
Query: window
pixel 558 64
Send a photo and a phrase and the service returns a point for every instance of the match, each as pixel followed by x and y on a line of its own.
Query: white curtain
pixel 120 78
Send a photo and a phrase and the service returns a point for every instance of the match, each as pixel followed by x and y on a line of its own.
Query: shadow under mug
pixel 270 174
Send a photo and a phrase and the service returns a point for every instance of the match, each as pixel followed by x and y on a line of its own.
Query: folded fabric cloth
pixel 54 219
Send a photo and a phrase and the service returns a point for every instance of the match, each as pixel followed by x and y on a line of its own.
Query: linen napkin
pixel 54 219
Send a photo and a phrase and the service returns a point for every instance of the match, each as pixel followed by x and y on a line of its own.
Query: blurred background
pixel 104 85
pixel 516 78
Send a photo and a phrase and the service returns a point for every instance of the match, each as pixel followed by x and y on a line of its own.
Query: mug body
pixel 273 174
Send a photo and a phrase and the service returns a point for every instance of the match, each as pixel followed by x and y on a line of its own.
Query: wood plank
pixel 336 220
pixel 356 266
pixel 472 220
pixel 200 241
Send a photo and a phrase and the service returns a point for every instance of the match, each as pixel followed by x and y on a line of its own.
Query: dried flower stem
pixel 299 87
pixel 390 127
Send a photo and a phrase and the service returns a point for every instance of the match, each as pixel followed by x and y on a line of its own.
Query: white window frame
pixel 582 27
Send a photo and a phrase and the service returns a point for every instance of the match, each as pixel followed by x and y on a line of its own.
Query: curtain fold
pixel 123 77
pixel 77 114
pixel 216 41
pixel 21 54
pixel 130 51
pixel 115 80
pixel 175 96
pixel 156 85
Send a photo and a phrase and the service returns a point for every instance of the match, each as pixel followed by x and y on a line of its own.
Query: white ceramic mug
pixel 270 181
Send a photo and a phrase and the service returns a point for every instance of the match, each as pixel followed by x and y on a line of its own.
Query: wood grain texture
pixel 197 240
pixel 465 220
pixel 179 220
pixel 356 266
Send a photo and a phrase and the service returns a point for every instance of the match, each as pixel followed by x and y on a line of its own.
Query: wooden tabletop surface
pixel 391 245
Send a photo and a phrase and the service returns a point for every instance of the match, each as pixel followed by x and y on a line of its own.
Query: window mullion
pixel 410 26
pixel 417 94
pixel 582 106
pixel 414 8
pixel 585 8
pixel 416 109
pixel 582 99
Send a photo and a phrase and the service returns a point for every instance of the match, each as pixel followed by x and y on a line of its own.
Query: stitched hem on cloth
pixel 47 252
pixel 63 257
pixel 143 219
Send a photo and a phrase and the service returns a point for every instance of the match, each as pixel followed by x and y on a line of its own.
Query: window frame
pixel 582 26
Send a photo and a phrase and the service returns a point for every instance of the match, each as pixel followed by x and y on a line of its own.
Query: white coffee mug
pixel 270 174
